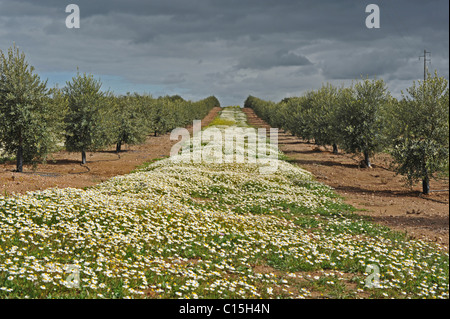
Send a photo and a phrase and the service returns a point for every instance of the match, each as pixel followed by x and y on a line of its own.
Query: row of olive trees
pixel 35 119
pixel 366 119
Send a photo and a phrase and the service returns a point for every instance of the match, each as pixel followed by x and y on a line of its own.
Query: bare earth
pixel 377 191
pixel 63 169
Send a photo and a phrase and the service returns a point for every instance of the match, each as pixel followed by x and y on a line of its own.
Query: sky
pixel 229 48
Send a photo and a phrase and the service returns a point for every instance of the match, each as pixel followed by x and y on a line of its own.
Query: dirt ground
pixel 63 169
pixel 376 191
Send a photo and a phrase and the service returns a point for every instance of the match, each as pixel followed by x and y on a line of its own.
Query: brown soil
pixel 63 169
pixel 377 191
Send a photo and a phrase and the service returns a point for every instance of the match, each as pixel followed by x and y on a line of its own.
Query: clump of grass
pixel 145 166
pixel 222 122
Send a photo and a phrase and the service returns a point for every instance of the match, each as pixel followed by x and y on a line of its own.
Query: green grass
pixel 221 121
pixel 145 166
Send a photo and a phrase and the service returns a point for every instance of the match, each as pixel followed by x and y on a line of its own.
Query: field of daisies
pixel 179 229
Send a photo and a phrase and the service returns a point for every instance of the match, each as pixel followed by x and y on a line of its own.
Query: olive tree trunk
pixel 83 157
pixel 19 165
pixel 367 159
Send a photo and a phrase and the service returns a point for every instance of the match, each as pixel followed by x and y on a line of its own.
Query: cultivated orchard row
pixel 365 119
pixel 181 229
pixel 35 119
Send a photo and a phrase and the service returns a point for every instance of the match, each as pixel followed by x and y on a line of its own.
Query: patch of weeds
pixel 307 222
pixel 221 121
pixel 145 166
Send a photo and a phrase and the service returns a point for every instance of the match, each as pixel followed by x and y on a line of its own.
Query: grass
pixel 146 165
pixel 222 122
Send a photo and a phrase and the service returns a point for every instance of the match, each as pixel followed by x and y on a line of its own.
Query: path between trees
pixel 377 191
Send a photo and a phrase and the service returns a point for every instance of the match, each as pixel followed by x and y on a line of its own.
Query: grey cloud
pixel 262 47
pixel 174 79
pixel 266 60
pixel 353 65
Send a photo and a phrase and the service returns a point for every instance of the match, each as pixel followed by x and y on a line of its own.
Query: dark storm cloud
pixel 322 18
pixel 266 48
pixel 266 60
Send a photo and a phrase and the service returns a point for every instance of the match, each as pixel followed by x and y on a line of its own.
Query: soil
pixel 376 192
pixel 64 169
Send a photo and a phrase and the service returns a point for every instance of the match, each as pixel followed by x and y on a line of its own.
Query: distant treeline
pixel 36 120
pixel 365 119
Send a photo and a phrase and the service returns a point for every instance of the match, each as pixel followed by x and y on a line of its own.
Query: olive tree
pixel 419 130
pixel 322 116
pixel 24 102
pixel 359 119
pixel 83 130
pixel 128 121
